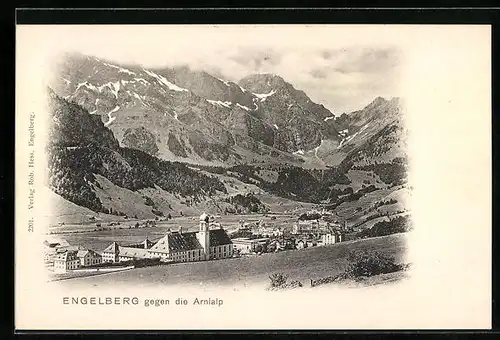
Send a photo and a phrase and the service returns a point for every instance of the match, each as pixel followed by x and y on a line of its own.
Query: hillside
pixel 146 143
pixel 191 116
pixel 302 265
pixel 182 115
pixel 88 168
pixel 297 123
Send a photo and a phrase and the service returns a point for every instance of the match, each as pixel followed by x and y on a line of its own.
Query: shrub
pixel 398 224
pixel 293 284
pixel 365 263
pixel 247 203
pixel 309 216
pixel 278 279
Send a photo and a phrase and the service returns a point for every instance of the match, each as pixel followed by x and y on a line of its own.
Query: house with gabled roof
pixel 66 260
pixel 54 246
pixel 205 244
pixel 129 254
pixel 177 246
pixel 116 253
pixel 88 257
pixel 246 245
pixel 111 253
pixel 146 244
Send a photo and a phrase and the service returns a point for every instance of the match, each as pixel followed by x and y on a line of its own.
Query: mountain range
pixel 177 138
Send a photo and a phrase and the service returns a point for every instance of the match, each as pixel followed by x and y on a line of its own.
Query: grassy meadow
pixel 125 234
pixel 302 265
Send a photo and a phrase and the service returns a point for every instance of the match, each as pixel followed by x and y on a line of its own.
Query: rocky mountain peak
pixel 263 83
pixel 207 86
pixel 185 114
pixel 376 102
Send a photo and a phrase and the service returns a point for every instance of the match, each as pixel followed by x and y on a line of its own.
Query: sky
pixel 342 67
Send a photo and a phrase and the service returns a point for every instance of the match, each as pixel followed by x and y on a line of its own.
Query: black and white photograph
pixel 273 159
pixel 283 165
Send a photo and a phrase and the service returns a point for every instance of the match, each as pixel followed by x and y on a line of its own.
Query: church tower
pixel 204 235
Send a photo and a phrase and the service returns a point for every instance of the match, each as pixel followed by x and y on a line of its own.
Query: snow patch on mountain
pixel 316 150
pixel 120 69
pixel 243 107
pixel 225 82
pixel 299 152
pixel 349 138
pixel 110 117
pixel 114 87
pixel 141 98
pixel 80 85
pixel 263 96
pixel 254 101
pixel 328 118
pixel 276 126
pixel 220 103
pixel 66 80
pixel 242 89
pixel 344 133
pixel 164 81
pixel 142 80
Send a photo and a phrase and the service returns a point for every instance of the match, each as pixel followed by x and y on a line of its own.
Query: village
pixel 210 242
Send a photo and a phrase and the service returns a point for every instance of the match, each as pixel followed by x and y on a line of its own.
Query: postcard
pixel 174 177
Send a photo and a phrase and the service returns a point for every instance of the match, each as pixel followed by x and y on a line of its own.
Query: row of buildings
pixel 63 257
pixel 247 245
pixel 310 232
pixel 74 259
pixel 205 244
pixel 317 226
pixel 177 246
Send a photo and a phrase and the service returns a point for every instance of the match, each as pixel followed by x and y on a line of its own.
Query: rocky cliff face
pixel 88 167
pixel 116 129
pixel 208 86
pixel 218 122
pixel 191 116
pixel 140 139
pixel 296 123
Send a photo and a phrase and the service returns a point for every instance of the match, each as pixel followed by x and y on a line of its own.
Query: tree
pixel 278 279
pixel 369 263
pixel 260 248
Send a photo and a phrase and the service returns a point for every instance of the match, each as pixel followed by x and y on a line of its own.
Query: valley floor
pixel 124 233
pixel 302 265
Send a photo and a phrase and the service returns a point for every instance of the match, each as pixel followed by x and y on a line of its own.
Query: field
pixel 123 234
pixel 65 215
pixel 360 210
pixel 302 265
pixel 76 274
